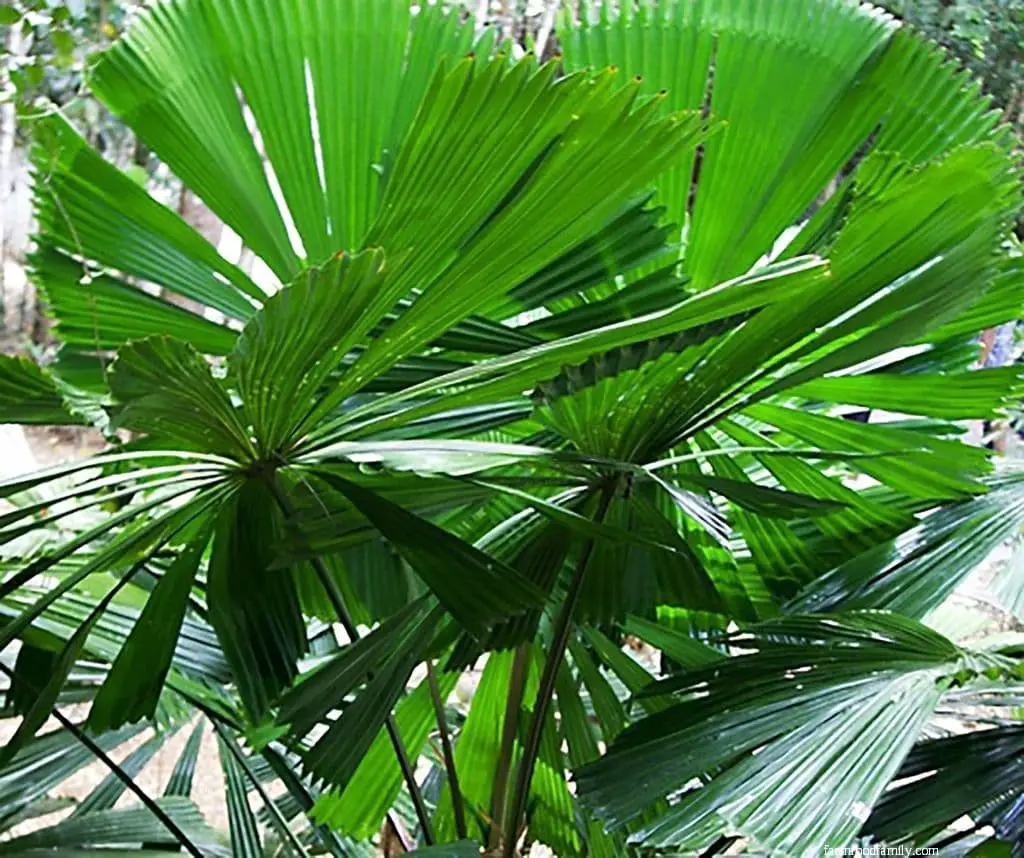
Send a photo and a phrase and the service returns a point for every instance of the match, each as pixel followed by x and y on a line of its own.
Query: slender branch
pixel 280 823
pixel 556 652
pixel 446 748
pixel 120 774
pixel 337 601
pixel 513 704
pixel 422 814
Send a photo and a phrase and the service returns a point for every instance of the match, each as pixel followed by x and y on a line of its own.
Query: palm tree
pixel 555 354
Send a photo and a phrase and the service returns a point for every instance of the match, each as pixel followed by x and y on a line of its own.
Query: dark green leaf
pixel 852 677
pixel 245 839
pixel 925 467
pixel 167 391
pixel 952 776
pixel 104 313
pixel 32 668
pixel 29 395
pixel 44 763
pixel 913 573
pixel 255 609
pixel 128 825
pixel 291 347
pixel 41 707
pixel 309 702
pixel 336 755
pixel 684 650
pixel 476 588
pixel 360 809
pixel 184 771
pixel 136 679
pixel 762 499
pixel 88 209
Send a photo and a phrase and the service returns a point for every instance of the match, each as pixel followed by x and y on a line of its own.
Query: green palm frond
pixel 543 360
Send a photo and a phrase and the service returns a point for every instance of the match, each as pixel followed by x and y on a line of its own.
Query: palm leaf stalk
pixel 560 635
pixel 504 765
pixel 447 752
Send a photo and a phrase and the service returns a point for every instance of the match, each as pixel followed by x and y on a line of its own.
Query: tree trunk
pixel 15 45
pixel 547 24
